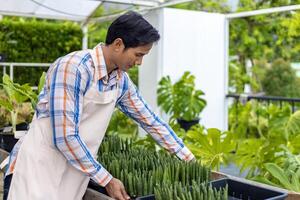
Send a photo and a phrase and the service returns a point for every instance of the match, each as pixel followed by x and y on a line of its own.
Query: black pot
pixel 186 125
pixel 8 142
pixel 7 139
pixel 22 126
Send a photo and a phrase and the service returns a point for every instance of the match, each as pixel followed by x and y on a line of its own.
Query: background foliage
pixel 36 41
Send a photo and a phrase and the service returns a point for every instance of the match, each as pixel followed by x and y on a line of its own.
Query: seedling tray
pixel 148 197
pixel 238 190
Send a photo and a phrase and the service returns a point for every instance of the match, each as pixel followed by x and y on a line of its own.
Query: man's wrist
pixel 185 154
pixel 109 178
pixel 103 177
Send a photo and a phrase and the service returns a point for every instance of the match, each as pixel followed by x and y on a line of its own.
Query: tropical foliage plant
pixel 17 95
pixel 181 100
pixel 211 146
pixel 280 177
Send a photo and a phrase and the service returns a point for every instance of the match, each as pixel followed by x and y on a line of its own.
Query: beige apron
pixel 41 171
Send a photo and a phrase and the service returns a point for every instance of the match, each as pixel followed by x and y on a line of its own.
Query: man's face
pixel 127 58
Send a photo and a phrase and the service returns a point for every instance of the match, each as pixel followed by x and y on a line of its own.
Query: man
pixel 57 157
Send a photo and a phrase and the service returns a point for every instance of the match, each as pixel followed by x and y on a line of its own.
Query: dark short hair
pixel 133 29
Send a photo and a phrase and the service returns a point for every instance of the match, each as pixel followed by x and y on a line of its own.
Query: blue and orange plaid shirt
pixel 61 99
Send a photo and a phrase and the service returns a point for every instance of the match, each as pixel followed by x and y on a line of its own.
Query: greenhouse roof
pixel 74 10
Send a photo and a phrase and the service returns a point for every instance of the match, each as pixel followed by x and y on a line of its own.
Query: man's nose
pixel 139 61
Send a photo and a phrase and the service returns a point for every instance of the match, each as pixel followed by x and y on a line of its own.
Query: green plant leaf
pixel 279 174
pixel 212 147
pixel 41 82
pixel 6 104
pixel 293 124
pixel 182 99
pixel 264 180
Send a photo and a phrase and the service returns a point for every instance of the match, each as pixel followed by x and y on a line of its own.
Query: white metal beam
pixel 142 11
pixel 73 18
pixel 25 64
pixel 85 37
pixel 134 2
pixel 86 21
pixel 262 11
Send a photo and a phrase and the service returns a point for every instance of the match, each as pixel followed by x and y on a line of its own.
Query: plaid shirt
pixel 61 99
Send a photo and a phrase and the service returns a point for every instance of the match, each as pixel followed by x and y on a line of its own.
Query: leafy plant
pixel 212 146
pixel 281 178
pixel 278 134
pixel 252 154
pixel 17 95
pixel 181 100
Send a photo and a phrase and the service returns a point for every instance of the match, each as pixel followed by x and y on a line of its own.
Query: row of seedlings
pixel 145 172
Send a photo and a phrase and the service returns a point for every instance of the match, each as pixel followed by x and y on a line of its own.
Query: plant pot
pixel 22 126
pixel 8 142
pixel 21 130
pixel 186 125
pixel 242 190
pixel 8 139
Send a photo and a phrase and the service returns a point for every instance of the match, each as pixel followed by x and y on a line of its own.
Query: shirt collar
pixel 99 62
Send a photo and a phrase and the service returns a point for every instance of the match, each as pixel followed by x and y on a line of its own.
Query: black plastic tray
pixel 237 190
pixel 148 197
pixel 241 190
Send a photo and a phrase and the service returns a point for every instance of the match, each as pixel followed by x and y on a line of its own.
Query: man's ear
pixel 118 45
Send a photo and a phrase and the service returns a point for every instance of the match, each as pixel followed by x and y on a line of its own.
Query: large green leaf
pixel 18 93
pixel 182 99
pixel 296 181
pixel 212 147
pixel 264 180
pixel 279 174
pixel 6 104
pixel 293 124
pixel 252 154
pixel 41 82
pixel 165 95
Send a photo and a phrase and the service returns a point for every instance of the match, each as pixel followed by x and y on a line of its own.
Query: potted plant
pixel 181 100
pixel 17 103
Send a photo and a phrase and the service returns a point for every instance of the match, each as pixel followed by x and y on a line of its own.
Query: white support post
pixel 85 37
pixel 11 71
pixel 226 72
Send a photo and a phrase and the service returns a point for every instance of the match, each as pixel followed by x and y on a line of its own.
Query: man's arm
pixel 134 106
pixel 68 83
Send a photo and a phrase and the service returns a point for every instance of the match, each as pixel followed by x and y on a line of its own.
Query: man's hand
pixel 116 190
